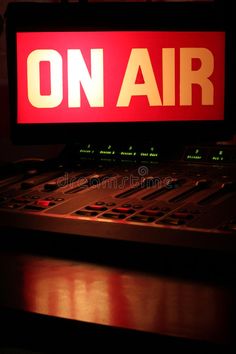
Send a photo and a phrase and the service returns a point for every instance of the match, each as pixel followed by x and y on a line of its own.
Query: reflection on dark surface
pixel 116 297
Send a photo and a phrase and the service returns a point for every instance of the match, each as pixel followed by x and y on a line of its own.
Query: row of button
pixel 125 211
pixel 177 218
pixel 119 212
pixel 25 202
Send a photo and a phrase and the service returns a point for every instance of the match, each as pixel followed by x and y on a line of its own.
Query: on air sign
pixel 65 77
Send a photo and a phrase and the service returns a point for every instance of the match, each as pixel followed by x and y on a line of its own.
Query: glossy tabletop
pixel 118 297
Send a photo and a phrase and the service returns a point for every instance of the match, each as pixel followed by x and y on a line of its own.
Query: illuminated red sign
pixel 66 77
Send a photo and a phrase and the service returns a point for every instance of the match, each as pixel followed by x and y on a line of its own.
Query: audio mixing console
pixel 128 195
pixel 103 73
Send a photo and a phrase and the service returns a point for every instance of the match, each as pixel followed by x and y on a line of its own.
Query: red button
pixel 96 207
pixel 123 210
pixel 44 203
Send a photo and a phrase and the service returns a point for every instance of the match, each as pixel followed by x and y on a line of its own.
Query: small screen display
pixel 120 76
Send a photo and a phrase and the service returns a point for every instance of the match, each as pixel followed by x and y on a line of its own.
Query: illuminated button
pixel 150 212
pixel 123 210
pixel 96 207
pixel 44 203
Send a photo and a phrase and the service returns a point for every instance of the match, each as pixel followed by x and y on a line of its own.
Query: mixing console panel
pixel 187 202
